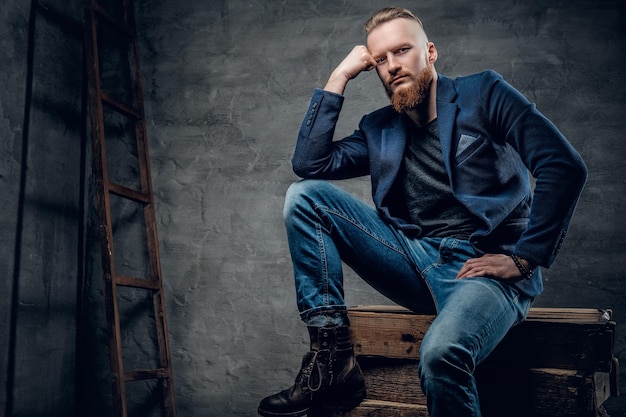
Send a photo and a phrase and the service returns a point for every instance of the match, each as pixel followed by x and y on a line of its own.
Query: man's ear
pixel 432 53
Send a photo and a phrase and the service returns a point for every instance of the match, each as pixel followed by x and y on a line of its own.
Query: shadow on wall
pixel 47 251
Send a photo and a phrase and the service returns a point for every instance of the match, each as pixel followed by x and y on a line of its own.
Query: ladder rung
pixel 112 20
pixel 117 105
pixel 129 193
pixel 134 282
pixel 144 374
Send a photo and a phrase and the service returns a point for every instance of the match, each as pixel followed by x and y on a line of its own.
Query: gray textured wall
pixel 40 205
pixel 226 85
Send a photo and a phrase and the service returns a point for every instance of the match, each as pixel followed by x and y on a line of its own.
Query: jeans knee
pixel 300 192
pixel 293 197
pixel 441 359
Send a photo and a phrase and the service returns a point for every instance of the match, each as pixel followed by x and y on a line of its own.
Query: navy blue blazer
pixel 491 139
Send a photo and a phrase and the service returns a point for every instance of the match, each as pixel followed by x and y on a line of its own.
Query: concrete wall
pixel 226 85
pixel 40 206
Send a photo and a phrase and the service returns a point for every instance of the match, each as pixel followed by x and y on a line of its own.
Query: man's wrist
pixel 336 85
pixel 524 266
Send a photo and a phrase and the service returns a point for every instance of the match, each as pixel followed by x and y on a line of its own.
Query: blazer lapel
pixel 392 145
pixel 447 111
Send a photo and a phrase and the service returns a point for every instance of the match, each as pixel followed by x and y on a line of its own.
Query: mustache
pixel 392 78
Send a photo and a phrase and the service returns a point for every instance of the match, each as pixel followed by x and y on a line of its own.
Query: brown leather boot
pixel 329 375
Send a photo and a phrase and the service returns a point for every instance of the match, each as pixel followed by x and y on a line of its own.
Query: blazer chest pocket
pixel 466 146
pixel 482 166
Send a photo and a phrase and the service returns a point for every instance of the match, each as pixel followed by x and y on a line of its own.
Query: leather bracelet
pixel 526 273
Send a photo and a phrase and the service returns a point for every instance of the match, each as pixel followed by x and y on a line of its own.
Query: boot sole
pixel 341 406
pixel 299 413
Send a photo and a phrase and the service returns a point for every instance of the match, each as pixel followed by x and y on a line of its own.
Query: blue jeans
pixel 326 225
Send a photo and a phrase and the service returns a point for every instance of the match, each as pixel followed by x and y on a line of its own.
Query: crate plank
pixel 374 408
pixel 543 393
pixel 392 380
pixel 397 380
pixel 392 335
pixel 584 346
pixel 550 338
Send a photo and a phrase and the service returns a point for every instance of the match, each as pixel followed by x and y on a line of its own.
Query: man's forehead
pixel 394 33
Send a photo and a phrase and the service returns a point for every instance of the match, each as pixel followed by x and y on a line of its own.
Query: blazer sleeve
pixel 316 155
pixel 557 167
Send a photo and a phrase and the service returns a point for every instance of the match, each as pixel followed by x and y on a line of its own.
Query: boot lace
pixel 317 372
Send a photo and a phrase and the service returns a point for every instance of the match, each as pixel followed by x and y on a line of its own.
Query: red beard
pixel 413 96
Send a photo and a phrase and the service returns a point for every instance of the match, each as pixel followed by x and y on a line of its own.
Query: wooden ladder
pixel 133 286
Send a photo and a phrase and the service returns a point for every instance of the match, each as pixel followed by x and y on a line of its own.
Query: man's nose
pixel 392 64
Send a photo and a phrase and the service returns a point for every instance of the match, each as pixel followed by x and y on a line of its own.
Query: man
pixel 455 229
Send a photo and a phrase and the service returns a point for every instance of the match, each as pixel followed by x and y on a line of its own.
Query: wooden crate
pixel 558 363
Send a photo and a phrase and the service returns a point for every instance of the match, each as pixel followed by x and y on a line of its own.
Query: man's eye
pixel 381 60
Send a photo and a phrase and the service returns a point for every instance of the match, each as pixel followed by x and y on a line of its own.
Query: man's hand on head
pixel 357 61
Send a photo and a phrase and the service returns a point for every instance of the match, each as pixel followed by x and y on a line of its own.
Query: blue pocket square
pixel 464 142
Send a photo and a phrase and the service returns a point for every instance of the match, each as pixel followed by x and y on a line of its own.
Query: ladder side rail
pixel 167 384
pixel 142 145
pixel 141 130
pixel 104 210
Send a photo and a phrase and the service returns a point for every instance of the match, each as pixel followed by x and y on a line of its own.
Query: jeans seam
pixel 362 228
pixel 430 289
pixel 320 241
